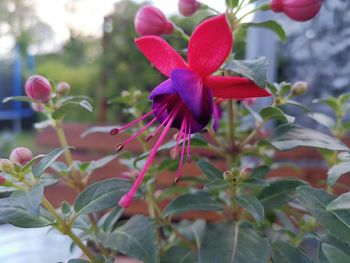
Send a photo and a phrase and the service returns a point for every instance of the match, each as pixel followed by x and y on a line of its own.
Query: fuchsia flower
pixel 298 10
pixel 185 100
pixel 150 20
pixel 188 7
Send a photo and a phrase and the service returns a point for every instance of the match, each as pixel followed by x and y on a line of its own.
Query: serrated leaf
pixel 340 203
pixel 71 106
pixel 136 238
pixel 273 113
pixel 209 170
pixel 289 136
pixel 254 70
pixel 334 255
pixel 316 201
pixel 234 244
pixel 253 206
pixel 199 201
pixel 337 171
pixel 286 253
pixel 101 195
pixel 271 25
pixel 47 161
pixel 278 192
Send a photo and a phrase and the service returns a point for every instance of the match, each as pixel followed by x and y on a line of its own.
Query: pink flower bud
pixel 38 88
pixel 38 107
pixel 149 20
pixel 63 88
pixel 21 155
pixel 298 10
pixel 2 180
pixel 188 7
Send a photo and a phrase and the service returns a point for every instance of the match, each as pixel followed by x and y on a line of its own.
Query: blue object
pixel 11 85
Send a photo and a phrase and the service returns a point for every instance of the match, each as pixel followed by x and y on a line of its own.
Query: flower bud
pixel 299 88
pixel 188 7
pixel 228 176
pixel 5 165
pixel 38 107
pixel 21 155
pixel 62 88
pixel 2 180
pixel 298 10
pixel 149 20
pixel 38 88
pixel 245 172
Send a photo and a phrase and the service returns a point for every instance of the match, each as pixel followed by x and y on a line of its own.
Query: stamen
pixel 127 198
pixel 189 141
pixel 175 151
pixel 151 135
pixel 183 146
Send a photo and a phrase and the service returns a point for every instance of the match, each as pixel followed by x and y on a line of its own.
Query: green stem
pixel 181 33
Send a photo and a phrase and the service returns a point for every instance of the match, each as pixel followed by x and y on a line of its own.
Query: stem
pixel 181 33
pixel 66 229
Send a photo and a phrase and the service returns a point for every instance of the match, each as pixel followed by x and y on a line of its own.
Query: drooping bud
pixel 299 88
pixel 5 165
pixel 149 20
pixel 63 88
pixel 188 7
pixel 38 107
pixel 21 155
pixel 38 88
pixel 298 10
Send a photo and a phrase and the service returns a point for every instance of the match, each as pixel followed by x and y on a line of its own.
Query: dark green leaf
pixel 77 260
pixel 47 161
pixel 209 170
pixel 217 184
pixel 289 136
pixel 278 192
pixel 271 25
pixel 101 195
pixel 226 243
pixel 337 171
pixel 254 70
pixel 340 203
pixel 273 113
pixel 334 255
pixel 137 238
pixel 71 106
pixel 179 254
pixel 199 201
pixel 286 253
pixel 252 205
pixel 260 171
pixel 329 239
pixel 111 218
pixel 316 201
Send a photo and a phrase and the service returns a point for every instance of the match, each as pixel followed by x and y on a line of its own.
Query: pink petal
pixel 234 88
pixel 210 45
pixel 160 54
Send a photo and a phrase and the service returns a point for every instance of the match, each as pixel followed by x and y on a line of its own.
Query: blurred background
pixel 89 44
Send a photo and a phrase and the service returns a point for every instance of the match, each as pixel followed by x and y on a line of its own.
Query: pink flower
pixel 21 155
pixel 185 100
pixel 298 10
pixel 188 7
pixel 149 20
pixel 38 88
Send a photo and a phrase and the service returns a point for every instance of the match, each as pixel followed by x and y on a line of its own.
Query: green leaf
pixel 101 195
pixel 26 167
pixel 271 25
pixel 226 243
pixel 323 119
pixel 110 219
pixel 209 170
pixel 337 171
pixel 178 254
pixel 332 102
pixel 340 203
pixel 253 206
pixel 286 253
pixel 71 106
pixel 329 239
pixel 273 113
pixel 199 201
pixel 260 171
pixel 22 209
pixel 217 184
pixel 77 260
pixel 289 136
pixel 278 192
pixel 47 161
pixel 334 255
pixel 136 238
pixel 18 98
pixel 101 162
pixel 297 104
pixel 254 70
pixel 316 201
pixel 232 3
